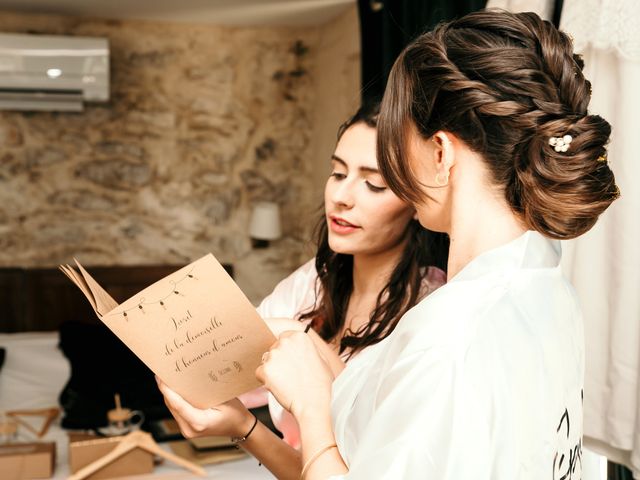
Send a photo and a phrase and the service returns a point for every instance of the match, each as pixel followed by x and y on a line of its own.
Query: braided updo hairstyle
pixel 504 84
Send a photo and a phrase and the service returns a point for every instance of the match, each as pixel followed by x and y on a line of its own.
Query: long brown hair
pixel 403 290
pixel 504 84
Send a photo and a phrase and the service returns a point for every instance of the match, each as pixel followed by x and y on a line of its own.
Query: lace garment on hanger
pixel 604 24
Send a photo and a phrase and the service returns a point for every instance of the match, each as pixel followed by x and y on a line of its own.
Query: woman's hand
pixel 230 419
pixel 281 325
pixel 328 352
pixel 296 374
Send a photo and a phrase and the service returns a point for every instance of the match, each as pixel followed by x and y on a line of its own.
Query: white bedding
pixel 33 375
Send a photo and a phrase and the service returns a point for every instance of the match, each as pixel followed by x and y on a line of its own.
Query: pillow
pixel 34 370
pixel 101 366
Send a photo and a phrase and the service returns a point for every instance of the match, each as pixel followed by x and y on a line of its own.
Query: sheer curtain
pixel 544 8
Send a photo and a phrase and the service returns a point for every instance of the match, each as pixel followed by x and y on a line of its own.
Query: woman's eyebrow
pixel 338 159
pixel 361 168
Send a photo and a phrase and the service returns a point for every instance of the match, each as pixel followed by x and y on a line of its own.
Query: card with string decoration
pixel 194 329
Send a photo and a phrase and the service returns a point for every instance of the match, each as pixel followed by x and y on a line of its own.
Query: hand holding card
pixel 194 329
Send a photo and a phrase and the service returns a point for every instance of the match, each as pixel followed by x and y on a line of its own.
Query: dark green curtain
pixel 386 26
pixel 618 472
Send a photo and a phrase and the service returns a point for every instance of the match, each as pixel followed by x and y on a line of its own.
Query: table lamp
pixel 264 224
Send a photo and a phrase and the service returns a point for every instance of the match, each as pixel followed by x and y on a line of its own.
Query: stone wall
pixel 336 72
pixel 202 121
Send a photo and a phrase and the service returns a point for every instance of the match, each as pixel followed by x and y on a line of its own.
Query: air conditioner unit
pixel 51 72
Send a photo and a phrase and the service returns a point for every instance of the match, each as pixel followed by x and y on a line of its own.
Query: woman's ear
pixel 444 152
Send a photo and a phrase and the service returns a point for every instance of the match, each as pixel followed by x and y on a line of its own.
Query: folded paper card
pixel 194 329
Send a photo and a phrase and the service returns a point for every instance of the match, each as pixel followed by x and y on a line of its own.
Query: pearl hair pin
pixel 561 144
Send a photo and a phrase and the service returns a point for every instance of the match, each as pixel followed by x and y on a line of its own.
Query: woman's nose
pixel 343 194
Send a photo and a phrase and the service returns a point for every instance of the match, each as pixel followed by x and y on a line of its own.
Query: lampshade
pixel 265 221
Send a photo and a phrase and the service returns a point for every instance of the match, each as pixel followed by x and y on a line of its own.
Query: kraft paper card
pixel 194 329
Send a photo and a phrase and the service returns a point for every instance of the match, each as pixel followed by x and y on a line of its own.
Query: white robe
pixel 481 380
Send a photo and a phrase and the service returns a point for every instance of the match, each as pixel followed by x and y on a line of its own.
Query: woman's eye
pixel 337 175
pixel 375 188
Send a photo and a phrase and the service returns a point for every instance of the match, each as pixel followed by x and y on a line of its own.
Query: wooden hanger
pixel 49 414
pixel 136 439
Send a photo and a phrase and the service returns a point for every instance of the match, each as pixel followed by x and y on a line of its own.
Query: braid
pixel 504 84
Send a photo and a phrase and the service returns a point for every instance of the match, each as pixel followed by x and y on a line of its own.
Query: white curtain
pixel 604 264
pixel 544 8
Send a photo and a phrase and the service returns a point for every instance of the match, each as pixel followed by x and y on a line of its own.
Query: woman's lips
pixel 341 226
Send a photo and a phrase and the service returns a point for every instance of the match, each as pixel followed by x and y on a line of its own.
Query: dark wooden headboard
pixel 41 299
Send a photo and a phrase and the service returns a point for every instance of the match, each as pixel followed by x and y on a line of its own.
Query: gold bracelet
pixel 314 457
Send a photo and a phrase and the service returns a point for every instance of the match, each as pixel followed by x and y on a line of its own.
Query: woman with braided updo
pixel 484 128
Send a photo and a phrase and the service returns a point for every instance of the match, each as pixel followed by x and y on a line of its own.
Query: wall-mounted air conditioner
pixel 49 72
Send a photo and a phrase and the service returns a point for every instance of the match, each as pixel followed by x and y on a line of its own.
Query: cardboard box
pixel 85 449
pixel 27 460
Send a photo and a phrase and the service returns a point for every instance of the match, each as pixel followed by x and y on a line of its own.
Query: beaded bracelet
pixel 314 457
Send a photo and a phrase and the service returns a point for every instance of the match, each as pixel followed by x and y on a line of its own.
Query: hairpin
pixel 616 194
pixel 560 144
pixel 602 158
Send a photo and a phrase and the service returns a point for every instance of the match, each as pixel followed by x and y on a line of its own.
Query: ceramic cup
pixel 122 421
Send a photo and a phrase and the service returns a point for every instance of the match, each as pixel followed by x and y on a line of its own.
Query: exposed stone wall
pixel 336 73
pixel 202 121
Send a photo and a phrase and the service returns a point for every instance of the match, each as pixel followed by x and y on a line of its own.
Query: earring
pixel 442 183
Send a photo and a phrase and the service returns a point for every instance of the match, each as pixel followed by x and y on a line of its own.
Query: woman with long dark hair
pixel 409 260
pixel 374 261
pixel 370 273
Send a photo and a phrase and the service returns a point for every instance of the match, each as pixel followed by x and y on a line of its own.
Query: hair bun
pixel 563 190
pixel 510 87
